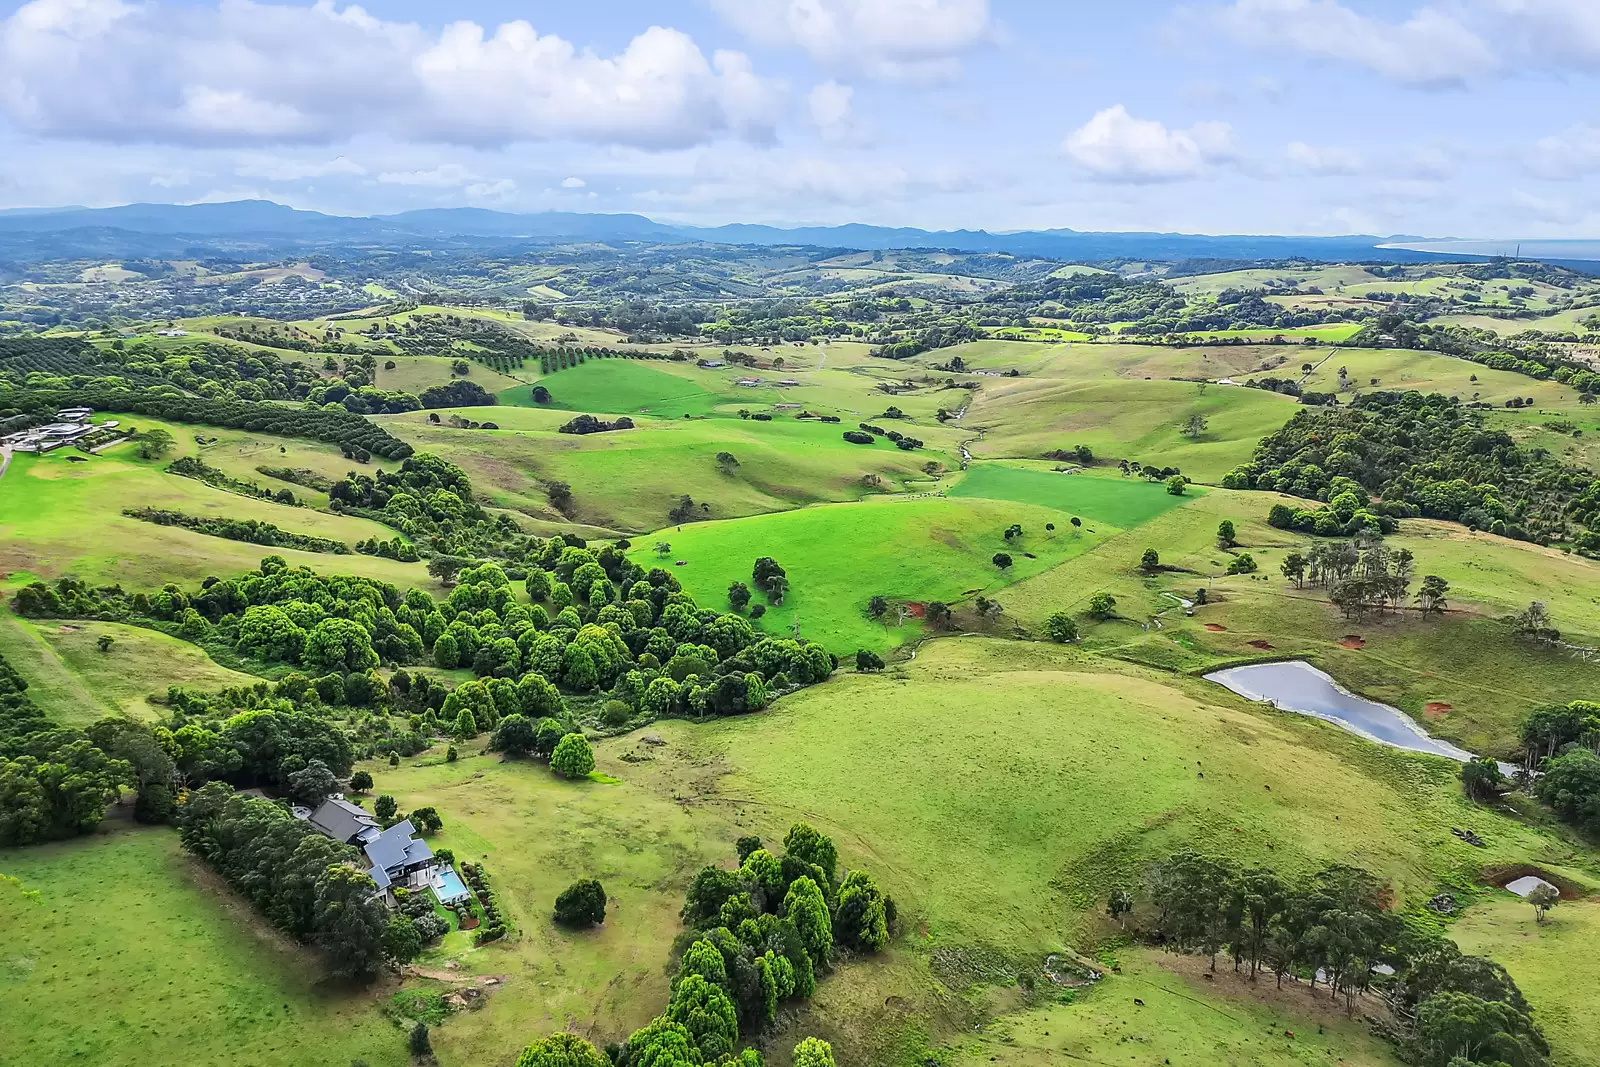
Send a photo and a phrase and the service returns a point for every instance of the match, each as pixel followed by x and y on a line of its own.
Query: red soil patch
pixel 1215 627
pixel 917 610
pixel 1435 709
pixel 1262 645
pixel 1352 641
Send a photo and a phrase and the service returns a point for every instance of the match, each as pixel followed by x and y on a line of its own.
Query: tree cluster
pixel 1429 456
pixel 754 938
pixel 1336 928
pixel 301 881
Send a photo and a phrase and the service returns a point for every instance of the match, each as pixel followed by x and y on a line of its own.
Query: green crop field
pixel 122 950
pixel 839 555
pixel 1113 499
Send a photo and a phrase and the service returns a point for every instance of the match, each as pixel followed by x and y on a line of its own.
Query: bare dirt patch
pixel 1354 642
pixel 1435 709
pixel 1216 627
pixel 1264 646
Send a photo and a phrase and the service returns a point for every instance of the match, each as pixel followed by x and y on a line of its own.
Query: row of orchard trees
pixel 1336 928
pixel 754 937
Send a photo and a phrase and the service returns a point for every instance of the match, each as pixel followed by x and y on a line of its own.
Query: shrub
pixel 1061 628
pixel 583 903
pixel 572 758
pixel 1102 606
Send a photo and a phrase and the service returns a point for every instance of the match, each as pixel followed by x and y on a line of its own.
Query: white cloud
pixel 1561 30
pixel 1323 160
pixel 1115 146
pixel 1571 154
pixel 890 40
pixel 251 73
pixel 832 112
pixel 573 183
pixel 1430 48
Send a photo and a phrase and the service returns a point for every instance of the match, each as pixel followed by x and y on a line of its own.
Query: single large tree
pixel 572 758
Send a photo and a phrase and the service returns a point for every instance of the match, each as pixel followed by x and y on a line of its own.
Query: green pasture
pixel 75 683
pixel 1114 499
pixel 1430 372
pixel 837 556
pixel 535 834
pixel 1179 1018
pixel 1554 963
pixel 413 374
pixel 120 951
pixel 1330 333
pixel 1000 790
pixel 62 517
pixel 623 386
pixel 1468 659
pixel 629 480
pixel 1136 420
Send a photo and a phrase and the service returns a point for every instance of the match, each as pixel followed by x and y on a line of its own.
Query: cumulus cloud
pixel 251 73
pixel 1430 48
pixel 573 183
pixel 1115 146
pixel 1323 160
pixel 890 40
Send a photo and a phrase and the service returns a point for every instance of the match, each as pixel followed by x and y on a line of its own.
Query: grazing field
pixel 1554 963
pixel 629 480
pixel 838 556
pixel 413 374
pixel 59 517
pixel 1135 420
pixel 75 683
pixel 1061 775
pixel 1433 373
pixel 132 954
pixel 1118 500
pixel 1467 659
pixel 623 386
pixel 1148 1015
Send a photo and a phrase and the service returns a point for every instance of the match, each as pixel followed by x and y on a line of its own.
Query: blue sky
pixel 1452 117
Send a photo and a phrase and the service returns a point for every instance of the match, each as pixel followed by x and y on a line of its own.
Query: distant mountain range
pixel 169 229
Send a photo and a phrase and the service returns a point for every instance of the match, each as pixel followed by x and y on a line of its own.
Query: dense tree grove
pixel 1336 928
pixel 54 781
pixel 600 625
pixel 300 880
pixel 754 938
pixel 1423 455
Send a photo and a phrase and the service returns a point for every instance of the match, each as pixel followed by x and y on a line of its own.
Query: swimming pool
pixel 447 886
